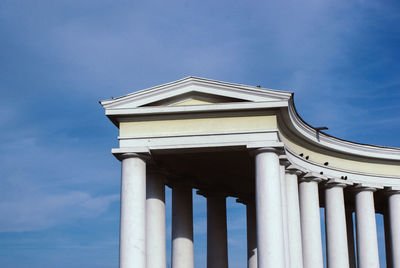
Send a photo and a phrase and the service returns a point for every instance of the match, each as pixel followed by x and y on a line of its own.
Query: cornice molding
pixel 196 84
pixel 326 141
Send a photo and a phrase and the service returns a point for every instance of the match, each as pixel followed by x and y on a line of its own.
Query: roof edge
pixel 323 139
pixel 192 79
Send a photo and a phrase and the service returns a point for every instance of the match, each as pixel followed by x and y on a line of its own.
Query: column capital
pixel 143 156
pixel 360 187
pixel 284 161
pixel 293 169
pixel 333 182
pixel 140 152
pixel 276 150
pixel 311 176
pixel 392 190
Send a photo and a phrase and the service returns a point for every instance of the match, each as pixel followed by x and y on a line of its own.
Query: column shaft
pixel 310 224
pixel 133 213
pixel 388 242
pixel 182 227
pixel 270 244
pixel 294 226
pixel 251 235
pixel 394 212
pixel 350 238
pixel 217 244
pixel 336 234
pixel 155 221
pixel 367 241
pixel 284 215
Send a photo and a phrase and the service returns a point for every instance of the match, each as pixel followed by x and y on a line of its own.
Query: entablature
pixel 195 113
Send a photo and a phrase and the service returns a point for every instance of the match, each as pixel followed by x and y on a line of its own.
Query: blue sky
pixel 59 184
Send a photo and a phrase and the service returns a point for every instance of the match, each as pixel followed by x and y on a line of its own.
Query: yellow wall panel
pixel 201 125
pixel 345 163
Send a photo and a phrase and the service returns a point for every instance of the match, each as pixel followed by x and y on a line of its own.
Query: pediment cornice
pixel 196 86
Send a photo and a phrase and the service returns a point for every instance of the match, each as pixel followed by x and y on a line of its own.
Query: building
pixel 247 142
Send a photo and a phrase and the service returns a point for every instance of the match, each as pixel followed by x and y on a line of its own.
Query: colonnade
pixel 283 220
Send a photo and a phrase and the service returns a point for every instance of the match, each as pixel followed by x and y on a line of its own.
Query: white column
pixel 350 237
pixel 251 234
pixel 155 221
pixel 367 241
pixel 294 226
pixel 388 242
pixel 182 227
pixel 270 243
pixel 133 213
pixel 335 221
pixel 310 223
pixel 251 227
pixel 217 240
pixel 394 215
pixel 284 215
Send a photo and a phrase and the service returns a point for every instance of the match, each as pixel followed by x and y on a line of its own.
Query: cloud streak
pixel 38 211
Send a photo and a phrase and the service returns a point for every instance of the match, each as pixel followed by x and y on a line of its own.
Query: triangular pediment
pixel 195 91
pixel 194 98
pixel 191 101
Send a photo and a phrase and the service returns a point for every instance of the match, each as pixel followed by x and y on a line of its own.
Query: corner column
pixel 270 241
pixel 310 222
pixel 132 251
pixel 367 239
pixel 335 220
pixel 155 221
pixel 182 227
